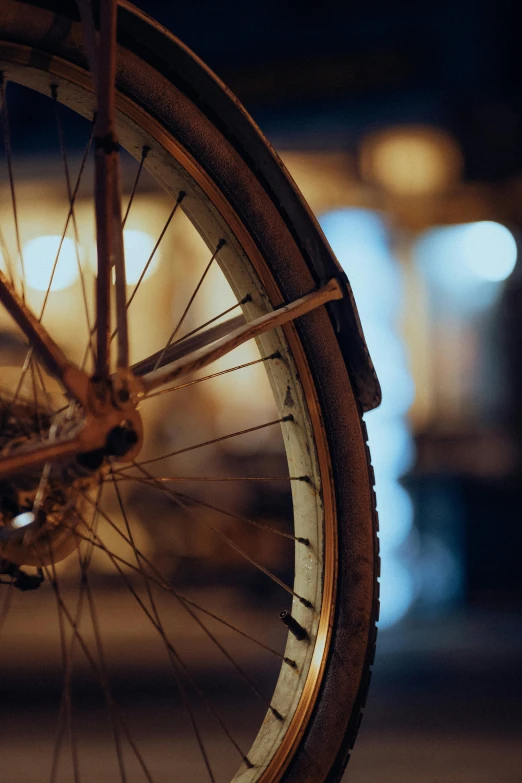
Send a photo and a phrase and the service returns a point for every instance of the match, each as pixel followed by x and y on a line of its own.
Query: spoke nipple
pixel 275 713
pixel 181 196
pixel 288 417
pixel 54 91
pixel 305 602
pixel 305 541
pixel 293 626
pixel 275 355
pixel 290 662
pixel 145 151
pixel 306 479
pixel 220 244
pixel 246 299
pixel 248 764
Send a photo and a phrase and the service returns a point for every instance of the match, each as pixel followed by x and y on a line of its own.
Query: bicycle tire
pixel 253 181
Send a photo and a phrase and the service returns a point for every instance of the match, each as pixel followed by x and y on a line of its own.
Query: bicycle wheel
pixel 263 249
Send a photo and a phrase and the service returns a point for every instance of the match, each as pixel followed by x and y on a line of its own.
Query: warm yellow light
pixel 39 256
pixel 3 265
pixel 137 247
pixel 411 160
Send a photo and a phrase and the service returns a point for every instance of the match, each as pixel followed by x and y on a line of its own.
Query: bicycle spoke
pixel 176 662
pixel 174 656
pixel 43 387
pixel 240 671
pixel 35 395
pixel 211 636
pixel 6 255
pixel 180 198
pixel 104 679
pixel 9 157
pixel 63 721
pixel 44 346
pixel 63 150
pixel 160 582
pixel 203 479
pixel 99 669
pixel 68 219
pixel 97 674
pixel 156 622
pixel 209 377
pixel 243 301
pixel 210 442
pixel 267 528
pixel 60 244
pixel 66 697
pixel 176 329
pixel 144 152
pixel 85 560
pixel 176 497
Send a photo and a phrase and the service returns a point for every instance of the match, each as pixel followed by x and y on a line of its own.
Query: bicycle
pixel 163 106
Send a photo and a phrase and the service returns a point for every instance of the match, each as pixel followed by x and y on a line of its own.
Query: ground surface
pixel 445 707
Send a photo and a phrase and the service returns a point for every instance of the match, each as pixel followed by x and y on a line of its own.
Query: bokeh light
pixel 397 590
pixel 466 262
pixel 488 249
pixel 23 519
pixel 39 256
pixel 360 240
pixel 138 246
pixel 411 160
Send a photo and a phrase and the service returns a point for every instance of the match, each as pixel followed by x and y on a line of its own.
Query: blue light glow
pixel 465 263
pixel 360 240
pixel 23 519
pixel 397 591
pixel 392 446
pixel 395 515
pixel 489 250
pixel 389 357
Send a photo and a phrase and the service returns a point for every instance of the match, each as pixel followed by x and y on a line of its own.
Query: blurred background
pixel 402 125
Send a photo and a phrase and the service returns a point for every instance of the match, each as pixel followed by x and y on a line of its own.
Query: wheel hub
pixel 38 520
